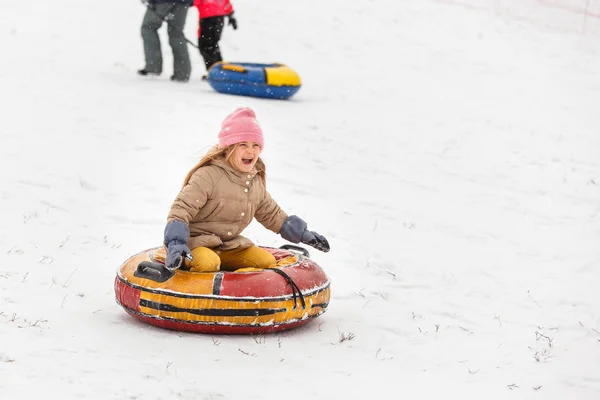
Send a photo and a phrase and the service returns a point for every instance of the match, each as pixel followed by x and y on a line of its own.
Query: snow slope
pixel 448 149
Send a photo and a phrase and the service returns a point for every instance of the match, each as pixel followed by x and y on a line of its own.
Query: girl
pixel 210 27
pixel 220 197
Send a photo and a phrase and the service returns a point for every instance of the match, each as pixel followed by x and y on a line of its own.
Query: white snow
pixel 448 149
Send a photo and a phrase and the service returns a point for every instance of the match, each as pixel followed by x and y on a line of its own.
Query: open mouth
pixel 247 160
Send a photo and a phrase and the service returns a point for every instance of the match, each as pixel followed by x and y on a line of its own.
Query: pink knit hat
pixel 240 126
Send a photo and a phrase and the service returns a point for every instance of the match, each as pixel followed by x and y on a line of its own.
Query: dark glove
pixel 177 235
pixel 315 240
pixel 175 254
pixel 232 21
pixel 294 230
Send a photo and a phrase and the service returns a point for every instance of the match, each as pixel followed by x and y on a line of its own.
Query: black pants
pixel 208 42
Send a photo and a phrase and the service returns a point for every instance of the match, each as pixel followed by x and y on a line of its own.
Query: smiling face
pixel 244 156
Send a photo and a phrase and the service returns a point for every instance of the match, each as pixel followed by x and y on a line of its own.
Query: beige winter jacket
pixel 219 202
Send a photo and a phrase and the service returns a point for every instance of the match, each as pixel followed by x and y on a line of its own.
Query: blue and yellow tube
pixel 275 81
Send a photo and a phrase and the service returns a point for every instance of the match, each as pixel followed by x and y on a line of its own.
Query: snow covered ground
pixel 448 149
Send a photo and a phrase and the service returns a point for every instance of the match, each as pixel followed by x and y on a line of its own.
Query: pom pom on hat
pixel 240 126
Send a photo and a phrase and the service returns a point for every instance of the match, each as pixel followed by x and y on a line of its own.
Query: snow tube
pixel 275 81
pixel 291 294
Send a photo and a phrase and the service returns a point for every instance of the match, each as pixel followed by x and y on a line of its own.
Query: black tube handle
pixel 154 271
pixel 295 248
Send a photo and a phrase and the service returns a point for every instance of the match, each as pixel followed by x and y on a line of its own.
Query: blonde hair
pixel 216 152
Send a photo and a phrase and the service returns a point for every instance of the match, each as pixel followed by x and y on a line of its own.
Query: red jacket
pixel 213 8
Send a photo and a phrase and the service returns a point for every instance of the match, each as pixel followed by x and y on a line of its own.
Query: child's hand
pixel 177 233
pixel 315 240
pixel 294 230
pixel 175 254
pixel 232 21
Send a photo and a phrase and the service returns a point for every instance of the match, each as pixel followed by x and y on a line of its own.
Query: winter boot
pixel 144 72
pixel 177 79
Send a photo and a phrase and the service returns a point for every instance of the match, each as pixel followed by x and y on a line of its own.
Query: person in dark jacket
pixel 174 13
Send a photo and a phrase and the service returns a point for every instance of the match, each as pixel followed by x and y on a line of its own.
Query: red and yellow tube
pixel 226 302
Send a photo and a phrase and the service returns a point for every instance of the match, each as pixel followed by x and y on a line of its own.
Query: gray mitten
pixel 294 230
pixel 177 235
pixel 315 240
